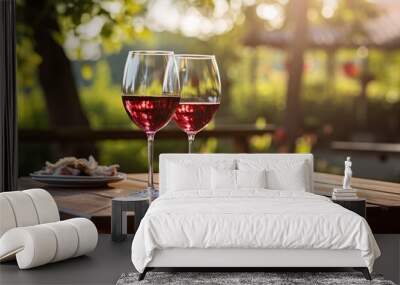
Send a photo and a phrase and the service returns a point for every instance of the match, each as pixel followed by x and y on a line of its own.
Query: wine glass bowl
pixel 150 95
pixel 192 117
pixel 150 113
pixel 200 90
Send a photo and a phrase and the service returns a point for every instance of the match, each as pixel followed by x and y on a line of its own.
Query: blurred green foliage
pixel 102 100
pixel 253 82
pixel 258 100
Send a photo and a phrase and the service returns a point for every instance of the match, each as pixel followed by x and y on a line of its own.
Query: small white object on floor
pixel 31 231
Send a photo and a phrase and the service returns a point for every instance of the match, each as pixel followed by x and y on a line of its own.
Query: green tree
pixel 42 29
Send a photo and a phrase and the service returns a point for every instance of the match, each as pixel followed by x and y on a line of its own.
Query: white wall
pixel 389 262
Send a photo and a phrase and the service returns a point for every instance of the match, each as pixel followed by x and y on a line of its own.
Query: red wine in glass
pixel 192 117
pixel 200 90
pixel 150 113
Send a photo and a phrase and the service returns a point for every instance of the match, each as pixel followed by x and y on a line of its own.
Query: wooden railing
pixel 370 147
pixel 382 193
pixel 239 133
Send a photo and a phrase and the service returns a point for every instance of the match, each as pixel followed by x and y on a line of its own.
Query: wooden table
pixel 92 203
pixel 383 199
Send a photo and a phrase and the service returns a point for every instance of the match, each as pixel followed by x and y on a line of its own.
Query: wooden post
pixel 253 77
pixel 8 109
pixel 330 72
pixel 241 144
pixel 293 118
pixel 361 110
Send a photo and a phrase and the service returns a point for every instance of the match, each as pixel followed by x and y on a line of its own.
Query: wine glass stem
pixel 191 141
pixel 150 146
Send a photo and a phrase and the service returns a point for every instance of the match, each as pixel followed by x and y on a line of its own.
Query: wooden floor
pixel 383 199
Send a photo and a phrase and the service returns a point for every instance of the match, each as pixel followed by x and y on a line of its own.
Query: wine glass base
pixel 151 193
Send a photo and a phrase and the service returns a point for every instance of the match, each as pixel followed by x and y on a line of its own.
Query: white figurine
pixel 347 174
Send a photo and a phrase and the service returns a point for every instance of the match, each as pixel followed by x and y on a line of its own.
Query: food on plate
pixel 78 167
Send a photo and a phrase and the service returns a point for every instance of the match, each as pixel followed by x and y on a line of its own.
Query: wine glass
pixel 150 94
pixel 200 89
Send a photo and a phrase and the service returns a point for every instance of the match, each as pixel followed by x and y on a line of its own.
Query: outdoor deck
pixel 383 199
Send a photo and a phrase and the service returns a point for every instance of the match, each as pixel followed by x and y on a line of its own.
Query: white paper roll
pixel 22 205
pixel 7 218
pixel 87 234
pixel 45 205
pixel 34 246
pixel 67 239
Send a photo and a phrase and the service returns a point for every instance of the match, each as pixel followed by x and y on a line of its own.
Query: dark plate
pixel 70 181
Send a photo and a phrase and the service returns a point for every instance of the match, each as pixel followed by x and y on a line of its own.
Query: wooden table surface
pixel 383 199
pixel 90 202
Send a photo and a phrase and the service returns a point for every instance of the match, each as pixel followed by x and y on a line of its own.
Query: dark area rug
pixel 229 278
